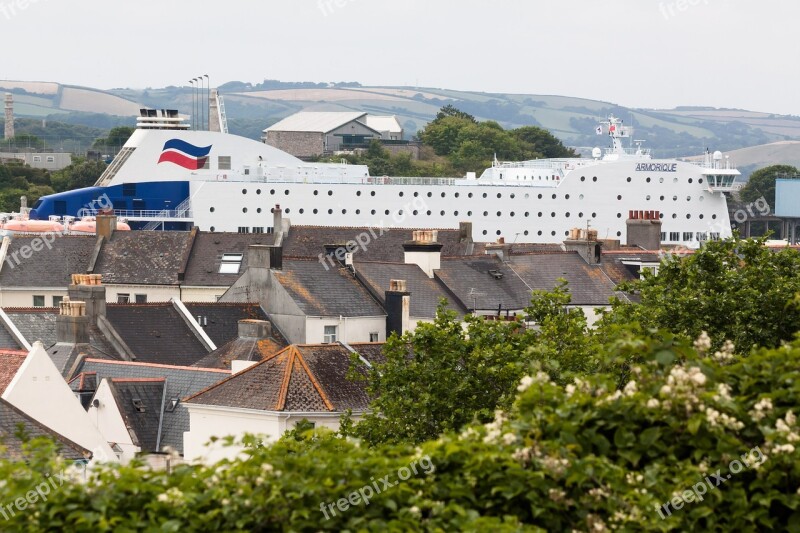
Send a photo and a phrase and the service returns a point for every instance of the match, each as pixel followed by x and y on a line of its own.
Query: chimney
pixel 398 307
pixel 644 229
pixel 88 288
pixel 338 252
pixel 255 329
pixel 258 256
pixel 277 219
pixel 105 224
pixel 424 250
pixel 584 241
pixel 500 249
pixel 72 324
pixel 465 232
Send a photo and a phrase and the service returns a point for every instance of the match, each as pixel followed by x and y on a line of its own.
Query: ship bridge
pixel 719 174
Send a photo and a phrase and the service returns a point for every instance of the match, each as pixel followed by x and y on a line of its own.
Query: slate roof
pixel 588 284
pixel 180 381
pixel 241 349
pixel 469 279
pixel 10 361
pixel 84 385
pixel 425 292
pixel 300 378
pixel 49 267
pixel 66 355
pixel 7 340
pixel 379 245
pixel 12 418
pixel 202 269
pixel 143 257
pixel 371 351
pixel 221 320
pixel 321 292
pixel 156 333
pixel 316 121
pixel 141 403
pixel 35 323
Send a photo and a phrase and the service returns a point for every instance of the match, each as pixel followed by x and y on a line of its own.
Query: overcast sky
pixel 641 53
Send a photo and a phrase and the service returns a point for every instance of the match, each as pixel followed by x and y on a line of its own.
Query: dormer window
pixel 230 263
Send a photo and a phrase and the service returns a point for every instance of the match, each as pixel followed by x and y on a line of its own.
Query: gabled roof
pixel 140 403
pixel 383 123
pixel 202 269
pixel 143 257
pixel 425 292
pixel 372 352
pixel 301 378
pixel 588 284
pixel 10 361
pixel 12 440
pixel 221 320
pixel 156 333
pixel 180 382
pixel 316 121
pixel 379 244
pixel 325 292
pixel 51 266
pixel 241 349
pixel 472 280
pixel 35 323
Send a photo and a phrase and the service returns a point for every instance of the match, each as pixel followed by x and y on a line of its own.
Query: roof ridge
pixel 287 376
pixel 314 381
pixel 156 365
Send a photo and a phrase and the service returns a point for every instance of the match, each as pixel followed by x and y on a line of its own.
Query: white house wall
pixel 109 422
pixel 349 329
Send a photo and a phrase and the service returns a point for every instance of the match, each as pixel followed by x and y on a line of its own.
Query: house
pixel 39 390
pixel 143 428
pixel 13 445
pixel 256 340
pixel 313 133
pixel 387 125
pixel 301 382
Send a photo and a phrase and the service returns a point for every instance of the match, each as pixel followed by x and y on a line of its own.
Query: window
pixel 230 263
pixel 38 300
pixel 329 335
pixel 224 162
pixel 651 269
pixel 51 159
pixel 141 298
pixel 244 229
pixel 258 229
pixel 123 298
pixel 37 159
pixel 128 189
pixel 688 236
pixel 674 236
pixel 373 337
pixel 57 300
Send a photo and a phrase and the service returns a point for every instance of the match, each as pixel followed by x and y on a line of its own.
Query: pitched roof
pixel 325 292
pixel 425 292
pixel 143 257
pixel 316 121
pixel 221 320
pixel 301 378
pixel 35 323
pixel 7 340
pixel 12 441
pixel 372 352
pixel 588 284
pixel 10 361
pixel 471 280
pixel 141 403
pixel 379 244
pixel 383 123
pixel 51 266
pixel 241 349
pixel 205 258
pixel 180 382
pixel 156 333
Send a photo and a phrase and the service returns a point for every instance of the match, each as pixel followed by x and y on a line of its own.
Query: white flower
pixel 703 343
pixel 266 467
pixel 509 439
pixel 630 388
pixel 787 448
pixel 570 389
pixel 414 510
pixel 524 383
pixel 652 403
pixel 666 390
pixel 698 377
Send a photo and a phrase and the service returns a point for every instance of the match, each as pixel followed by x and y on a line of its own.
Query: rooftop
pixel 316 121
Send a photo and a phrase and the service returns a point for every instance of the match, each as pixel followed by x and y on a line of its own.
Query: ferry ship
pixel 168 176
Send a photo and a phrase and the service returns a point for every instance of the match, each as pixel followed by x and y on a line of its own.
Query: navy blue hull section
pixel 147 196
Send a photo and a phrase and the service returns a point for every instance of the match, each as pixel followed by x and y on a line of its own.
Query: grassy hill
pixel 670 132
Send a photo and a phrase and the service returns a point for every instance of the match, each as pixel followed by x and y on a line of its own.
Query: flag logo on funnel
pixel 184 154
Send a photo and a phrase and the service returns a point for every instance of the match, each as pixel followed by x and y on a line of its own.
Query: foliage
pixel 116 138
pixel 762 183
pixel 18 179
pixel 81 173
pixel 734 289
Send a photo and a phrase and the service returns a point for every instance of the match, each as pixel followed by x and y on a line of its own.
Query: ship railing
pixel 366 180
pixel 143 213
pixel 642 152
pixel 544 164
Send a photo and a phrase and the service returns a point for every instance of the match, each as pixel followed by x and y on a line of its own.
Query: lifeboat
pixel 32 226
pixel 88 225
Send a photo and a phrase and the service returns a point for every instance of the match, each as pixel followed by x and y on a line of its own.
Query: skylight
pixel 230 263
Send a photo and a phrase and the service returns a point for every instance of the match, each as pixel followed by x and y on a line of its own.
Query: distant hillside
pixel 752 158
pixel 251 108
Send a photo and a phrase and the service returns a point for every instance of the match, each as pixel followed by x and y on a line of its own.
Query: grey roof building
pixel 12 420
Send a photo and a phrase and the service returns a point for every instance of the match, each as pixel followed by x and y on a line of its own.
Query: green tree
pixel 540 142
pixel 762 183
pixel 444 135
pixel 81 173
pixel 451 111
pixel 117 137
pixel 733 289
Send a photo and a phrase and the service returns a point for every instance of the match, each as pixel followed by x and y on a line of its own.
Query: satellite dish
pixel 717 156
pixel 596 152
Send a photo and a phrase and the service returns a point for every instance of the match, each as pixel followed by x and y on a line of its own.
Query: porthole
pixel 619 197
pixel 701 198
pixel 539 232
pixel 661 180
pixel 416 194
pixel 258 191
pixel 400 213
pixel 675 198
pixel 441 212
pixel 302 210
pixel 244 191
pixel 688 198
pixel 647 197
pixel 674 180
pixel 212 229
pixel 316 193
pixel 566 214
pixel 286 192
pixel 499 195
pixel 386 212
pixel 674 215
pixel 486 213
pixel 580 215
pixel 484 195
pixel 594 215
pixel 553 214
pixel 272 191
pixel 527 196
pixel 469 195
pixel 566 197
pixel 330 193
pixel 701 216
pixel 539 214
pixel 647 180
pixel 212 209
pixel 372 212
pixel 566 233
pixel 315 211
pixel 526 232
pixel 580 197
pixel 244 210
pixel 371 193
pixel 554 197
pixel 430 194
pixel 401 194
pixel 455 213
pixel 512 195
pixel 456 195
pixel 629 179
pixel 688 216
pixel 583 178
pixel 498 232
pixel 690 180
pixel 287 211
pixel 258 210
pixel 469 213
pixel 661 197
pixel 344 211
pixel 619 234
pixel 484 232
pixel 594 178
pixel 330 211
pixel 358 211
pixel 443 195
pixel 512 213
pixel 700 180
pixel 358 193
pixel 619 215
pixel 415 212
pixel 540 197
pixel 553 233
pixel 429 212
